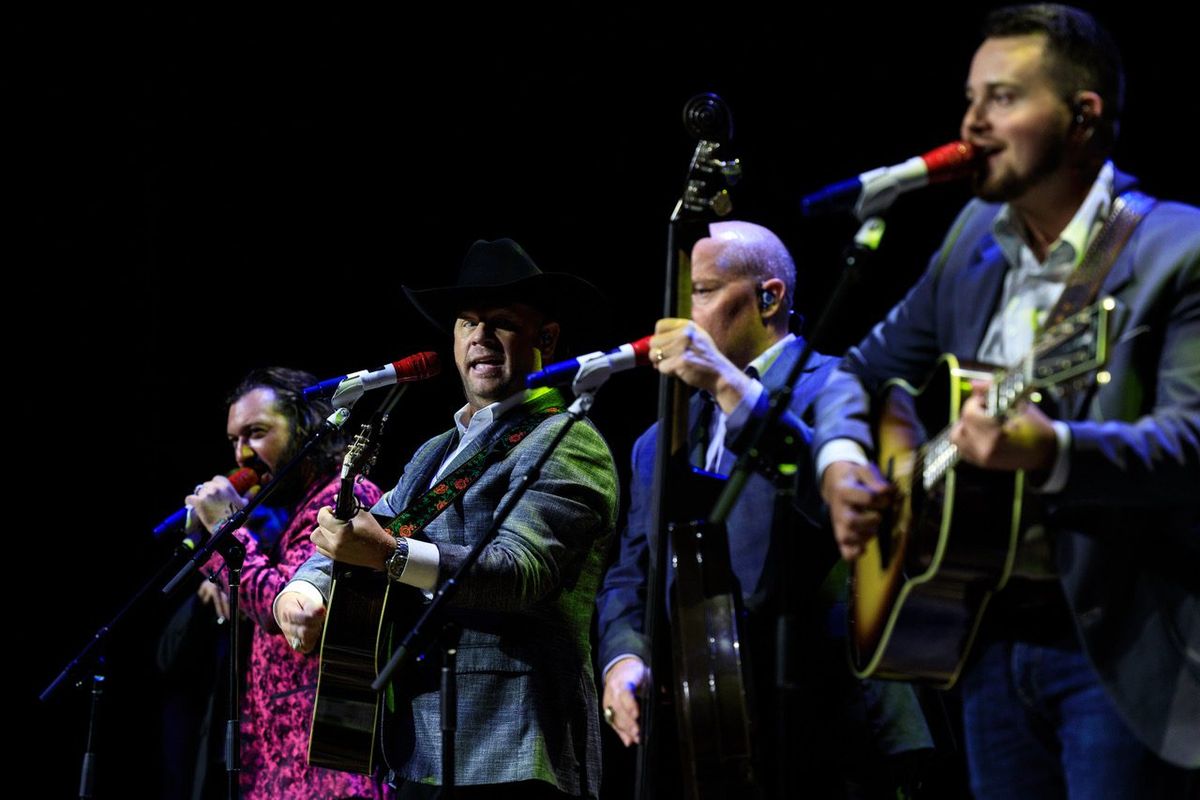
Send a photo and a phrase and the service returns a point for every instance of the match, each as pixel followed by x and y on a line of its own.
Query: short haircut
pixel 753 251
pixel 1082 55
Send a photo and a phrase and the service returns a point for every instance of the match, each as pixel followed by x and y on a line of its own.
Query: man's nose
pixel 483 332
pixel 974 119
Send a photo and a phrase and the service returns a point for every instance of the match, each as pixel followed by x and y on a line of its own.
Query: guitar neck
pixel 347 504
pixel 1008 388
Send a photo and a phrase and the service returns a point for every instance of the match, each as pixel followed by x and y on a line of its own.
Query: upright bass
pixel 699 646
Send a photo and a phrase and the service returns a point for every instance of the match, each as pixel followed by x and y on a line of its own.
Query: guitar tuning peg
pixel 721 204
pixel 732 170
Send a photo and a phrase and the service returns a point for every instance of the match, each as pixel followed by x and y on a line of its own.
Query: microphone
pixel 875 191
pixel 346 389
pixel 598 364
pixel 242 479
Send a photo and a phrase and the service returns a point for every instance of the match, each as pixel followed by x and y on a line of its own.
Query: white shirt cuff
pixel 301 587
pixel 1062 460
pixel 421 570
pixel 611 664
pixel 840 450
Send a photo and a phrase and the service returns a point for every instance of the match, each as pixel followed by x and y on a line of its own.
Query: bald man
pixel 735 350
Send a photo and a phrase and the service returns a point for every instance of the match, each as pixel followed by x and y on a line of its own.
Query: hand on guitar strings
pixel 301 619
pixel 360 541
pixel 857 496
pixel 622 684
pixel 1025 440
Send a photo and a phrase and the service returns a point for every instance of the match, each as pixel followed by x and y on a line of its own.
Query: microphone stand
pixel 433 622
pixel 865 243
pixel 233 552
pixel 93 654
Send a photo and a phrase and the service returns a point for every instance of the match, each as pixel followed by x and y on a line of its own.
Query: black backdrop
pixel 204 189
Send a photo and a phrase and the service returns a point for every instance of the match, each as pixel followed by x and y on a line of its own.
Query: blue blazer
pixel 527 696
pixel 622 602
pixel 885 719
pixel 1128 521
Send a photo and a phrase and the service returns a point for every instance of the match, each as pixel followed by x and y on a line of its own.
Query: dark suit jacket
pixel 527 696
pixel 896 721
pixel 621 600
pixel 1128 521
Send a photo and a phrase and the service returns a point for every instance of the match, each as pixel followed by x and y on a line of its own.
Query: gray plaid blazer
pixel 527 705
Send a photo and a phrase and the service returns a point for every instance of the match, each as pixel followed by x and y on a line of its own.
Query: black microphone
pixel 346 389
pixel 875 191
pixel 242 479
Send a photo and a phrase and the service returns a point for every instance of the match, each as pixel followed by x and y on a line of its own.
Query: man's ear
pixel 547 341
pixel 771 299
pixel 1086 110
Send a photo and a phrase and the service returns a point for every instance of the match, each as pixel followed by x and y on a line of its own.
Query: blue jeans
pixel 1038 724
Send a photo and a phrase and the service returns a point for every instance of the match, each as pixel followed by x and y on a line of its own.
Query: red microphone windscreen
pixel 242 479
pixel 641 350
pixel 950 161
pixel 417 367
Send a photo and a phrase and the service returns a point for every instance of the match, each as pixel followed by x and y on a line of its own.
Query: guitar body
pixel 920 589
pixel 346 712
pixel 712 693
pixel 922 585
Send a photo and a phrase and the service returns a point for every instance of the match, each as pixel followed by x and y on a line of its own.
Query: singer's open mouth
pixel 987 150
pixel 488 365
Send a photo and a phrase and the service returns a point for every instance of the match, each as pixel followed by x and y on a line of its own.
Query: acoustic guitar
pixel 922 585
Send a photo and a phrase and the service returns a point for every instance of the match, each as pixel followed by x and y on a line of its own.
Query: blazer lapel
pixel 978 293
pixel 425 464
pixel 499 428
pixel 805 390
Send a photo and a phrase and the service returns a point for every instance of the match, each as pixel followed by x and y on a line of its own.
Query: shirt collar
pixel 490 413
pixel 1010 234
pixel 767 357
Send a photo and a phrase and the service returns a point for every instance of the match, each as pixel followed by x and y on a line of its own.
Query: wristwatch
pixel 398 560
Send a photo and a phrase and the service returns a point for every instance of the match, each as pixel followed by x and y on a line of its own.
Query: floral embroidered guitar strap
pixel 425 508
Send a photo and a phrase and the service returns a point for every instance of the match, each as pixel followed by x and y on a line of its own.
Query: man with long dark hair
pixel 269 421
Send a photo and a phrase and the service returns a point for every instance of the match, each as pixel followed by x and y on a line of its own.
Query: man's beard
pixel 287 491
pixel 1009 185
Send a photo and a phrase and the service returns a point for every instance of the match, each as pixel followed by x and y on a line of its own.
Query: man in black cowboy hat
pixel 527 715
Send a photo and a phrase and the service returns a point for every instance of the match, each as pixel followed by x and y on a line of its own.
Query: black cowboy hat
pixel 495 273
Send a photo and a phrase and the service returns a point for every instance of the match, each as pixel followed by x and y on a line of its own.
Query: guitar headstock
pixel 359 458
pixel 1066 354
pixel 360 455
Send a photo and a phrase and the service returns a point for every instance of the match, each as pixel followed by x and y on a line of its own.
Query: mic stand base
pixel 87 772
